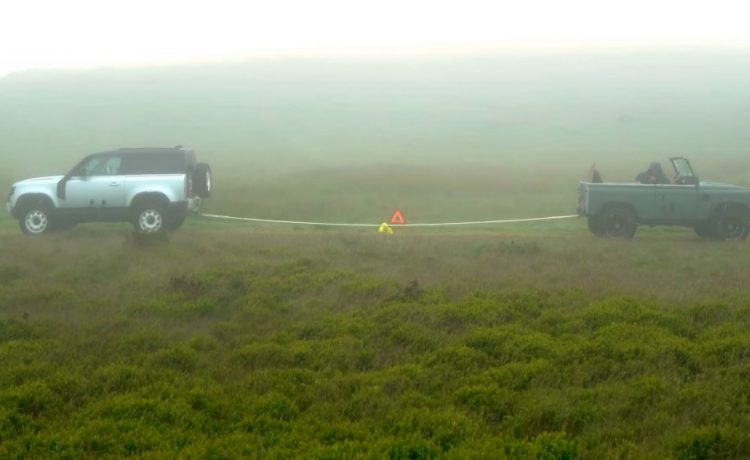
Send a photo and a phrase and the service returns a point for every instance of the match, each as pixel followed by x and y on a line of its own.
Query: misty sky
pixel 85 33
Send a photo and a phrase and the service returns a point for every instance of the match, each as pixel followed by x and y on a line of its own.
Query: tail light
pixel 188 185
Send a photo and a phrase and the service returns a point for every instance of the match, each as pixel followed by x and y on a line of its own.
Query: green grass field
pixel 238 340
pixel 249 341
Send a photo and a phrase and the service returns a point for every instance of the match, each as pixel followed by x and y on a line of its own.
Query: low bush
pixel 297 360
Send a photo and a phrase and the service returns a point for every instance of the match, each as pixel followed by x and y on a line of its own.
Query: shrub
pixel 117 378
pixel 182 359
pixel 33 399
pixel 706 443
pixel 492 403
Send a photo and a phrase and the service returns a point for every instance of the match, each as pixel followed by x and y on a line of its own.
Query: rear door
pixel 161 171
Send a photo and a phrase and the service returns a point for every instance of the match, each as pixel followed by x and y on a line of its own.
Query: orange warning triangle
pixel 397 218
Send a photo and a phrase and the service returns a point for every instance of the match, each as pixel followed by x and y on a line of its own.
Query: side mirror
pixel 61 187
pixel 77 171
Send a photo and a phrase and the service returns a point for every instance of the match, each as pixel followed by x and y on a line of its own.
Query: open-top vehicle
pixel 715 210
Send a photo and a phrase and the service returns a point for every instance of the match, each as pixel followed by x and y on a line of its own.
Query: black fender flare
pixel 24 200
pixel 148 196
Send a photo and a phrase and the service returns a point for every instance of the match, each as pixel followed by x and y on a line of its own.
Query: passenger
pixel 654 175
pixel 596 178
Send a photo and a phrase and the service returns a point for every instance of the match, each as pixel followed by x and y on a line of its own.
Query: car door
pixel 676 203
pixel 679 201
pixel 96 189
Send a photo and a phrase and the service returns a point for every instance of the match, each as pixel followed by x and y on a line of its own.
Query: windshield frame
pixel 682 167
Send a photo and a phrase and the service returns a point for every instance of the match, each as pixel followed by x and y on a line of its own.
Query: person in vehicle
pixel 654 175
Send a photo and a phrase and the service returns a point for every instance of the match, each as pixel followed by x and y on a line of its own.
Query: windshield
pixel 682 167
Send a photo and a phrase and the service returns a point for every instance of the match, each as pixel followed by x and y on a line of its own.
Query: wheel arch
pixel 730 205
pixel 24 200
pixel 144 197
pixel 618 204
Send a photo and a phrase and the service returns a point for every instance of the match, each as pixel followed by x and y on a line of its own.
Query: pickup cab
pixel 714 210
pixel 153 188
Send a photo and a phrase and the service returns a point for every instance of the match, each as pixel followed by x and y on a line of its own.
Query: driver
pixel 653 175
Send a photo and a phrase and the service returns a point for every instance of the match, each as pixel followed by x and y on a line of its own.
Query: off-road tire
pixel 36 217
pixel 618 221
pixel 595 226
pixel 731 224
pixel 202 180
pixel 705 230
pixel 149 216
pixel 175 219
pixel 62 224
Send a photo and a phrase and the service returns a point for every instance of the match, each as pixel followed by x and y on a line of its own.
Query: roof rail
pixel 176 147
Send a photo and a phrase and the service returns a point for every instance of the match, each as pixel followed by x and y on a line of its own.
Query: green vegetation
pixel 335 344
pixel 229 340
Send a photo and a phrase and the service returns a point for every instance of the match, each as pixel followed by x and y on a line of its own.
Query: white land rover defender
pixel 151 187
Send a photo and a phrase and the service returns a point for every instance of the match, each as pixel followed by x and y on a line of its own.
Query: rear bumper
pixel 191 204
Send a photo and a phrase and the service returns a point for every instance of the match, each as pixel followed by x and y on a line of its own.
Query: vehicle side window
pixel 112 166
pixel 86 168
pixel 153 163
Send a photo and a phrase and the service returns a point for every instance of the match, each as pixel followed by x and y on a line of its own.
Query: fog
pixel 278 114
pixel 85 33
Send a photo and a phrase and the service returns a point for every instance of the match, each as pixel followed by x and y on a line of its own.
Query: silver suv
pixel 151 187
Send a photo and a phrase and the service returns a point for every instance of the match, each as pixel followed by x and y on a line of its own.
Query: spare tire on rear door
pixel 202 180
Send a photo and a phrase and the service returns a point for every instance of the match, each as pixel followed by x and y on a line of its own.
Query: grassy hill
pixel 281 113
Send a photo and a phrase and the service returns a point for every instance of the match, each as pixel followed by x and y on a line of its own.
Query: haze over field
pixel 264 90
pixel 86 33
pixel 539 113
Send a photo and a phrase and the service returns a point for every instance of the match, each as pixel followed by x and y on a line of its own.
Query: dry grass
pixel 674 265
pixel 666 263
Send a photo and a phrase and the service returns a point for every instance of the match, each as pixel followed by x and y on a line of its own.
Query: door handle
pixel 114 184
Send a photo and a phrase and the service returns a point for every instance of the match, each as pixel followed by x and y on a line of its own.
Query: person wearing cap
pixel 653 175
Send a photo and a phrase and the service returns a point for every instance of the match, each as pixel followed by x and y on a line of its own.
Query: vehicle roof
pixel 155 150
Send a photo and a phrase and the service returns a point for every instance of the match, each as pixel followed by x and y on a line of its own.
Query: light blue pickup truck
pixel 714 210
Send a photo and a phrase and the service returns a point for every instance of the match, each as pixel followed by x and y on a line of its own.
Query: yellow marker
pixel 385 229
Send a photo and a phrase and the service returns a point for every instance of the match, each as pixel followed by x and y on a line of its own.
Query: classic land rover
pixel 714 210
pixel 151 187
